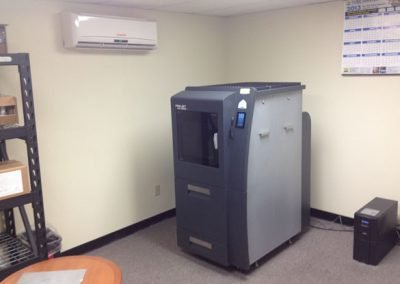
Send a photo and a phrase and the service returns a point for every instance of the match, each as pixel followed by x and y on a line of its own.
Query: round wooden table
pixel 98 270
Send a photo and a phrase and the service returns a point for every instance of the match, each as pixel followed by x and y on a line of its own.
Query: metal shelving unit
pixel 14 254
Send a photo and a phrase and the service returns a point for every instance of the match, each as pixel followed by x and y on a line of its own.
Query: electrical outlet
pixel 157 190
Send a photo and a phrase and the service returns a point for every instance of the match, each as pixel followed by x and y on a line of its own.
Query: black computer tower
pixel 374 230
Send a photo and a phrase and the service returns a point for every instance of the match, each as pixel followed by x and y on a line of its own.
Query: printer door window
pixel 198 137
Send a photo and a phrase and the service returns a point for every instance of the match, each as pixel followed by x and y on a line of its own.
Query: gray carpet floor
pixel 318 256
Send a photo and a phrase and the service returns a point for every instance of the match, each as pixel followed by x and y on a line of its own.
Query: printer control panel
pixel 240 119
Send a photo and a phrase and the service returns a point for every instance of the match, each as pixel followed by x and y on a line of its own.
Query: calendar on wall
pixel 371 37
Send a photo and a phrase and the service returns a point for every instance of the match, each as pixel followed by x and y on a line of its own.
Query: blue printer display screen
pixel 240 119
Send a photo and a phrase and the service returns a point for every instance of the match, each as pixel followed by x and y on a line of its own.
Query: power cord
pixel 346 230
pixel 332 229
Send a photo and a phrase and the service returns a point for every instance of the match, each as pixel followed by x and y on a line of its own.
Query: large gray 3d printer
pixel 242 169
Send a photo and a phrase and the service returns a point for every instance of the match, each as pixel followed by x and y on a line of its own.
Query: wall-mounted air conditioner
pixel 107 32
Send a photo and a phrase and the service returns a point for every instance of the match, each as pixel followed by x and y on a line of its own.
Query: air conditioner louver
pixel 105 45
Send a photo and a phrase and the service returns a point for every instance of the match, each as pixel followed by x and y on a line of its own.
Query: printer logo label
pixel 181 107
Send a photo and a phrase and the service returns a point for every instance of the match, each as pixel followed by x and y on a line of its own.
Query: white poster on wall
pixel 371 37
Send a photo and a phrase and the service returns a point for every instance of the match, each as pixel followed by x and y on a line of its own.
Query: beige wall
pixel 103 119
pixel 355 120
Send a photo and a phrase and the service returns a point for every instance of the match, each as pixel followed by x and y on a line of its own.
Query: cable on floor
pixel 332 229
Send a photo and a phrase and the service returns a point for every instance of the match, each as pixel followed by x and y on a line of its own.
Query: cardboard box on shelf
pixel 14 179
pixel 3 48
pixel 8 110
pixel 3 39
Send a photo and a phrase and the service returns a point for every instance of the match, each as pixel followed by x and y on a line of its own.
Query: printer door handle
pixel 215 140
pixel 231 129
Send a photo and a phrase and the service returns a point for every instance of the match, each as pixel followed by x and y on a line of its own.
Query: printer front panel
pixel 201 207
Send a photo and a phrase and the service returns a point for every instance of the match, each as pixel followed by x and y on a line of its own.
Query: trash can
pixel 53 242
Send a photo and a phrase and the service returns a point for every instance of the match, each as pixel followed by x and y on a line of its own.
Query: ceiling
pixel 206 7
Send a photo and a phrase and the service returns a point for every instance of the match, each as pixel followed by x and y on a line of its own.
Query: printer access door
pixel 197 133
